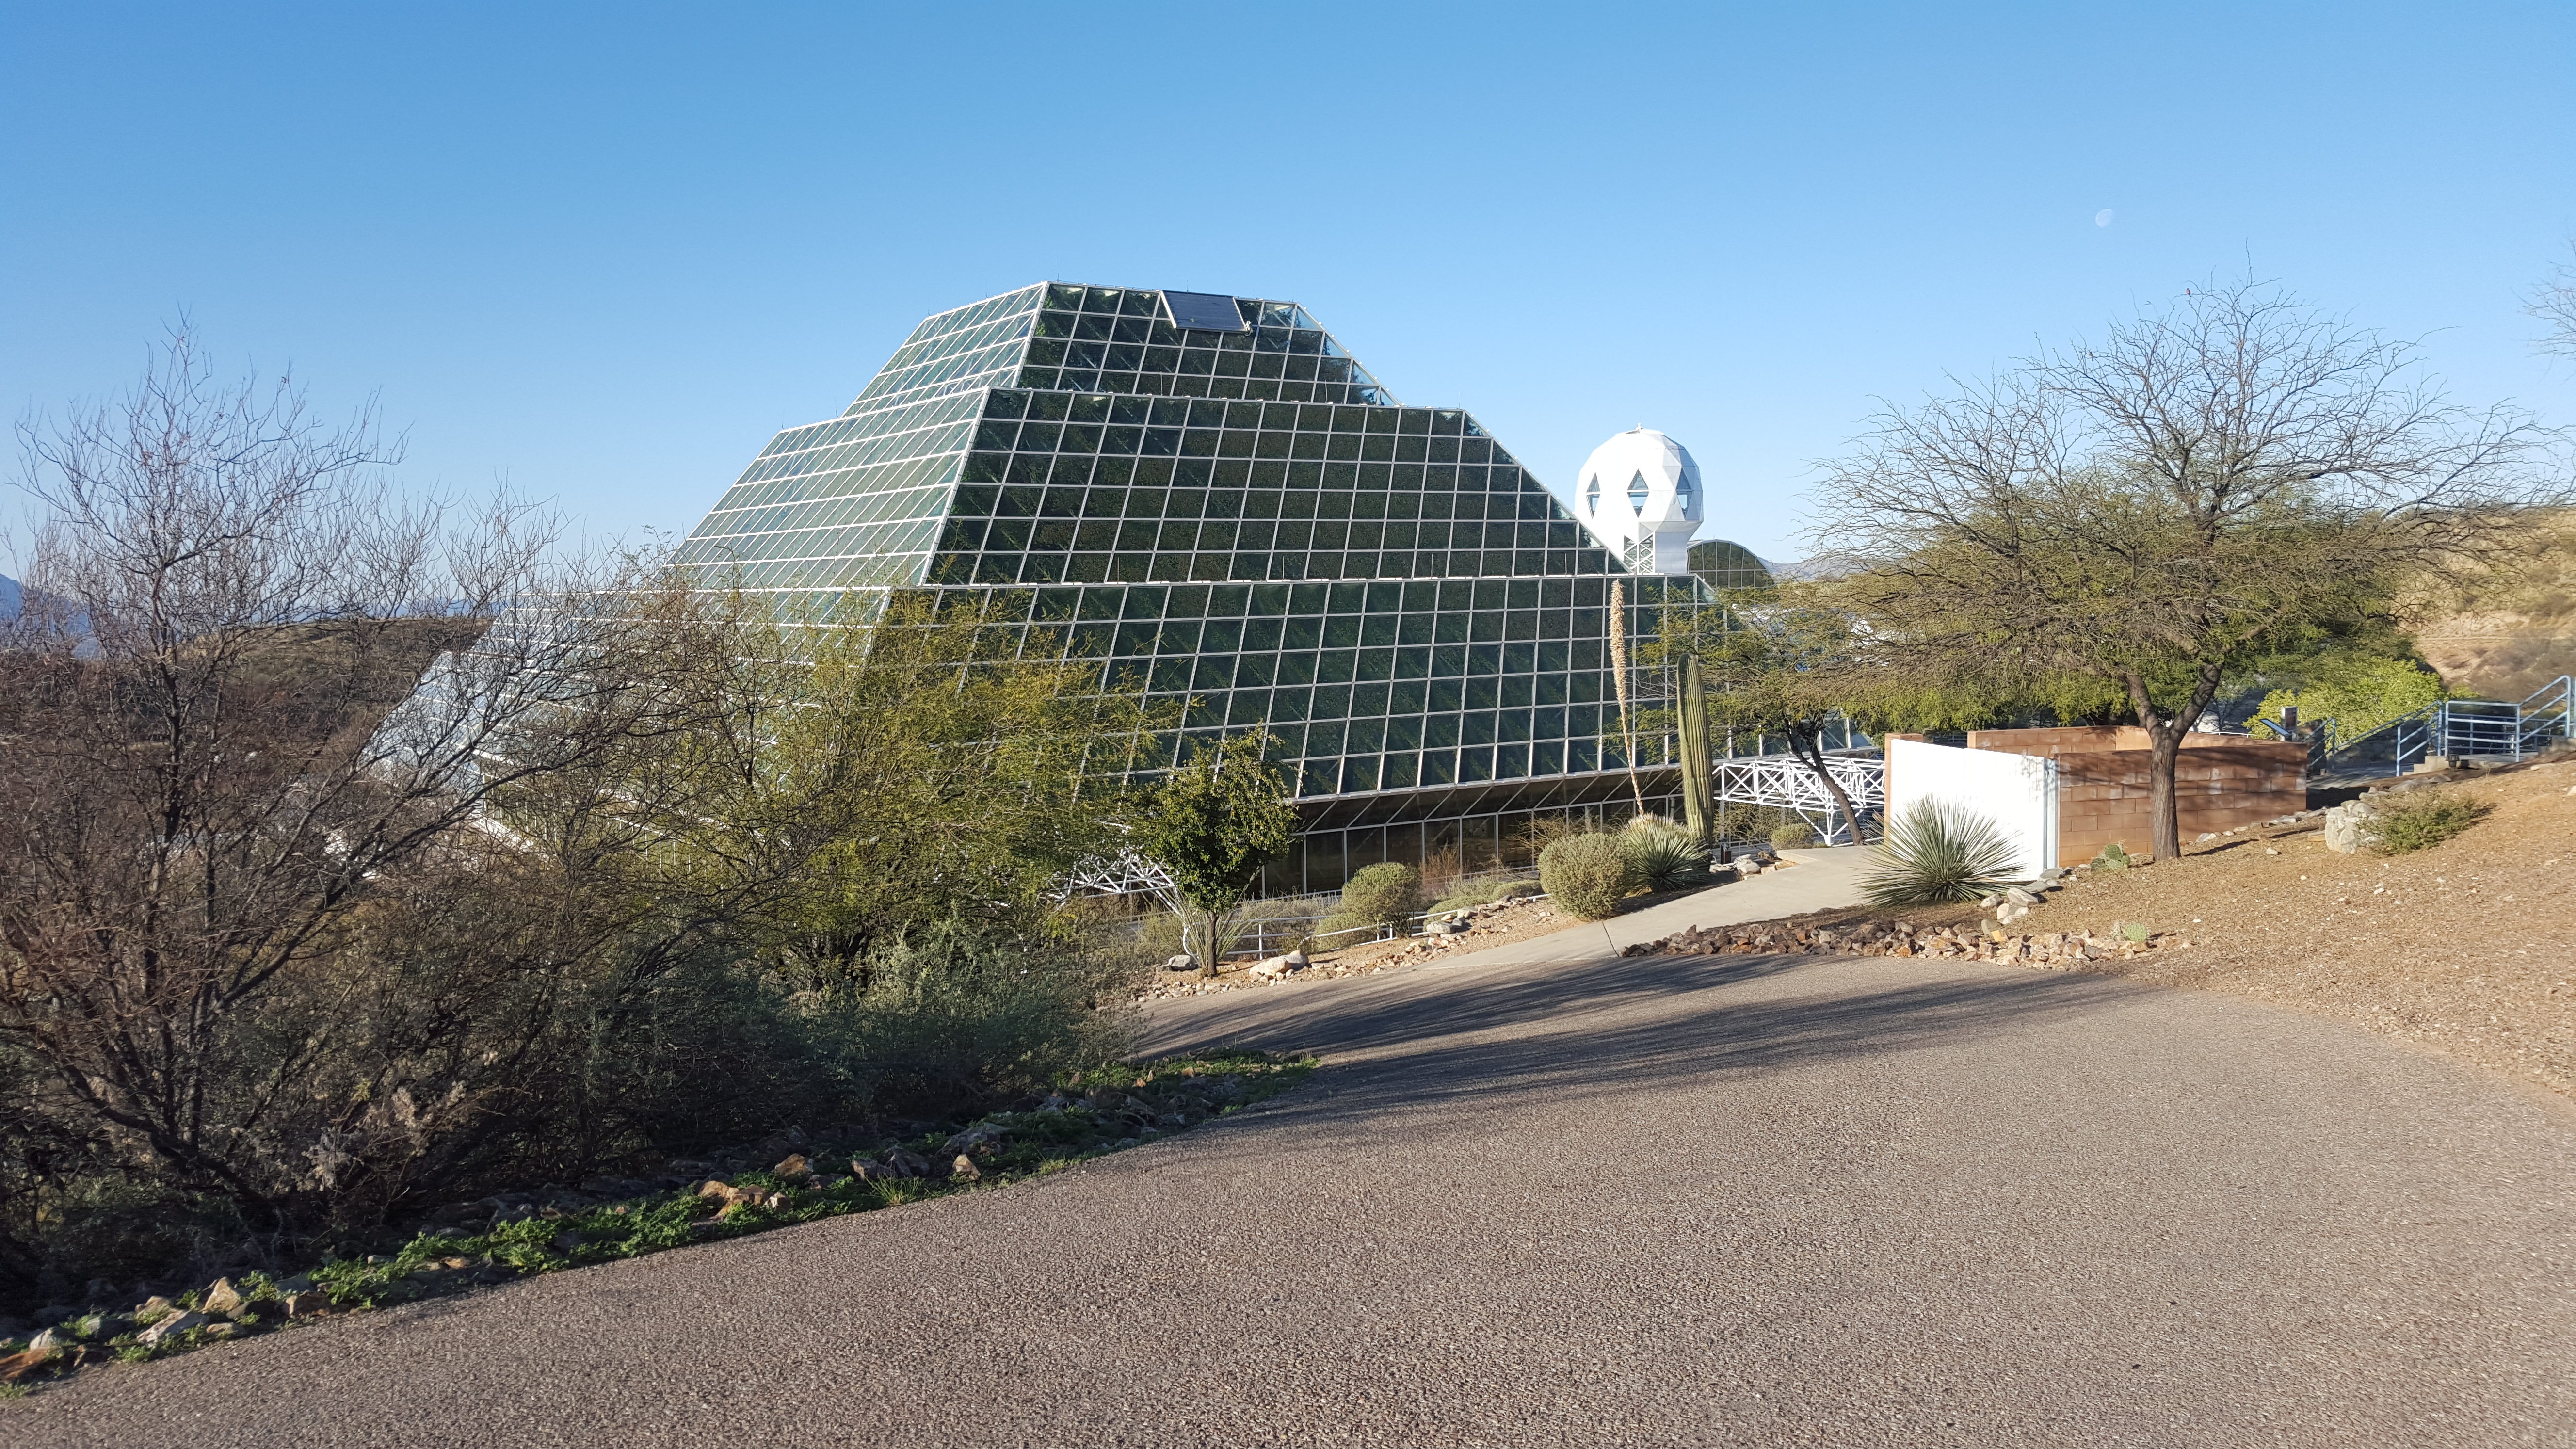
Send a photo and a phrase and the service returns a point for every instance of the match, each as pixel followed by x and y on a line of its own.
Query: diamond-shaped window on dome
pixel 1682 493
pixel 1592 494
pixel 1637 493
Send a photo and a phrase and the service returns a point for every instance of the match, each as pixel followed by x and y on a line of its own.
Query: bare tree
pixel 223 599
pixel 2149 510
pixel 2554 303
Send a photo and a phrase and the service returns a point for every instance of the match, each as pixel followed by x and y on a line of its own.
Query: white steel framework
pixel 1785 782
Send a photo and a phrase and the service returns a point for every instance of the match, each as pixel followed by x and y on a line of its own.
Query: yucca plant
pixel 1938 852
pixel 1663 856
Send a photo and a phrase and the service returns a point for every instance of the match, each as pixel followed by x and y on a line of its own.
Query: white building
pixel 1640 495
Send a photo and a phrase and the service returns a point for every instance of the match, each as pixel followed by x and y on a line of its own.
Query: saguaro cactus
pixel 1696 814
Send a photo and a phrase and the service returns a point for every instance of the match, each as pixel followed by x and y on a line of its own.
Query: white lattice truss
pixel 1786 782
pixel 1125 874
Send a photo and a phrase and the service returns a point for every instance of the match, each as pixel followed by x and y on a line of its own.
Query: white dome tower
pixel 1640 495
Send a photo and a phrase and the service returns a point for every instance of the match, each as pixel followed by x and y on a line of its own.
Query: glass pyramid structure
pixel 1245 520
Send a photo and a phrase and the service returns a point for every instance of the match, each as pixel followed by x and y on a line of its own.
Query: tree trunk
pixel 1809 746
pixel 2164 744
pixel 2164 754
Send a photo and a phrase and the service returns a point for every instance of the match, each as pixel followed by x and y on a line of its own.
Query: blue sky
pixel 601 253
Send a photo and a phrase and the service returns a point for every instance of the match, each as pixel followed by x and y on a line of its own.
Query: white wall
pixel 2018 792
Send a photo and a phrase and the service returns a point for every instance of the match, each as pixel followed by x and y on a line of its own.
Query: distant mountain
pixel 10 596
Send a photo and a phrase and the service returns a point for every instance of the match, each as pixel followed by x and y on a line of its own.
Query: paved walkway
pixel 1721 1200
pixel 1818 880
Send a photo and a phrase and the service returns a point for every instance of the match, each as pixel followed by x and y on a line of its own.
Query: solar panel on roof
pixel 1203 311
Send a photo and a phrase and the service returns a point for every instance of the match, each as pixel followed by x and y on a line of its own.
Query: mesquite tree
pixel 2148 511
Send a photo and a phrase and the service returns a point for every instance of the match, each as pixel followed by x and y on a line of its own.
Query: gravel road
pixel 1734 1200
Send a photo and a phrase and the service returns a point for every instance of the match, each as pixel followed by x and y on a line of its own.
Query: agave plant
pixel 1937 852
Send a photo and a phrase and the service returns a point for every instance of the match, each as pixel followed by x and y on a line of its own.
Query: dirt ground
pixel 2468 948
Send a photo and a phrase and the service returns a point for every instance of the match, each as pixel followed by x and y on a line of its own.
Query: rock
pixel 965 1170
pixel 1178 963
pixel 973 1139
pixel 305 1304
pixel 165 1329
pixel 568 1241
pixel 300 1283
pixel 222 1297
pixel 45 1342
pixel 2020 897
pixel 908 1164
pixel 18 1365
pixel 794 1165
pixel 2347 827
pixel 868 1169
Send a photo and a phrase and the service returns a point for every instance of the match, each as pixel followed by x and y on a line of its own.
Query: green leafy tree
pixel 842 789
pixel 1213 825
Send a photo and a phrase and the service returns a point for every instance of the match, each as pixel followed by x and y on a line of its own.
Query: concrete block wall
pixel 2221 782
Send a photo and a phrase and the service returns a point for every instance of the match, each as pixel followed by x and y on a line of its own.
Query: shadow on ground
pixel 1631 1023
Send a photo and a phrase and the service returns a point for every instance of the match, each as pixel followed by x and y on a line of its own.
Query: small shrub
pixel 1587 874
pixel 1792 835
pixel 2404 825
pixel 1382 895
pixel 1937 852
pixel 2134 932
pixel 1663 857
pixel 2112 858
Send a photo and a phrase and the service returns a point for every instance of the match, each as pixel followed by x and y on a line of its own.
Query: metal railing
pixel 2455 729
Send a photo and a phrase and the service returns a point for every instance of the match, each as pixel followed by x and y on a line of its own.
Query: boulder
pixel 45 1342
pixel 305 1304
pixel 908 1164
pixel 794 1166
pixel 222 1297
pixel 868 1169
pixel 2348 826
pixel 1178 963
pixel 165 1329
pixel 965 1170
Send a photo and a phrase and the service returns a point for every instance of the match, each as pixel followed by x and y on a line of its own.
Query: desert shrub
pixel 1588 875
pixel 961 1014
pixel 2420 820
pixel 1792 835
pixel 1662 856
pixel 1382 895
pixel 1937 852
pixel 2112 857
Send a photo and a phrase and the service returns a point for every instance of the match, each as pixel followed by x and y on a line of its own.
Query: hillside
pixel 2505 641
pixel 2469 947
